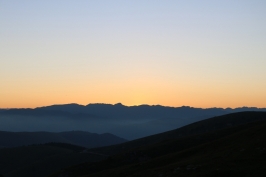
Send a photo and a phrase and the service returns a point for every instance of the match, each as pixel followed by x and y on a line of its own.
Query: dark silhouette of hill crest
pixel 80 138
pixel 233 145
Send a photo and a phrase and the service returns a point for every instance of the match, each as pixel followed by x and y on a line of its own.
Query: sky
pixel 169 52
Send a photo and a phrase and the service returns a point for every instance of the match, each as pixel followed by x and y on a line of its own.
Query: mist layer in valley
pixel 126 122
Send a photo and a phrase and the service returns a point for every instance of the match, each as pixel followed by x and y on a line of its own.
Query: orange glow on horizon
pixel 132 91
pixel 170 53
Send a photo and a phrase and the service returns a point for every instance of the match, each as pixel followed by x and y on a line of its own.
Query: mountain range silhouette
pixel 128 122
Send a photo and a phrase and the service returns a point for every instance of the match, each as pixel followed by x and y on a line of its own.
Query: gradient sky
pixel 197 53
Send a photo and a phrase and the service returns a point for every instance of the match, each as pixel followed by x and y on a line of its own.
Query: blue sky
pixel 197 53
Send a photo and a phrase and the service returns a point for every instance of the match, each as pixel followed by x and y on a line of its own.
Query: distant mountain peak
pixel 119 104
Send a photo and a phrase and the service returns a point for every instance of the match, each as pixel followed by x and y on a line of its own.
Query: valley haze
pixel 129 122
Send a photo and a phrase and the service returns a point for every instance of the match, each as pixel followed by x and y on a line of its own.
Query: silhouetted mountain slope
pixel 13 139
pixel 238 149
pixel 91 139
pixel 72 147
pixel 41 160
pixel 204 126
pixel 130 122
pixel 85 139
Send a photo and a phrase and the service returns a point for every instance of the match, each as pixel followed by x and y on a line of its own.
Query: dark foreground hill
pixel 230 145
pixel 200 127
pixel 41 160
pixel 80 138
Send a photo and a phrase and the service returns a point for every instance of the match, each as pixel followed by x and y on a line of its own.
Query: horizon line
pixel 119 103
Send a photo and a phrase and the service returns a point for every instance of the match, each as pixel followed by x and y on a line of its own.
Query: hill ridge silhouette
pixel 80 138
pixel 228 150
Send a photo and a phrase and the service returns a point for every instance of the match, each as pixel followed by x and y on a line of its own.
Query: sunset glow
pixel 173 53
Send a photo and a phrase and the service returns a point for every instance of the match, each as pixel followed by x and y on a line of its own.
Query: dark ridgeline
pixel 231 145
pixel 80 138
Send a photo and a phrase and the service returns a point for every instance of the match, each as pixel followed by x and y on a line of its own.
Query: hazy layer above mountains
pixel 127 122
